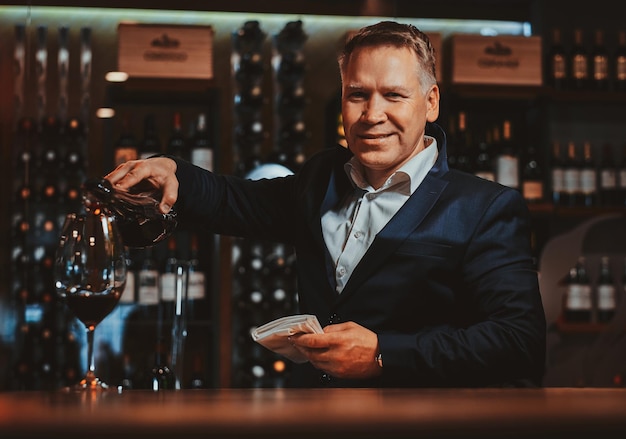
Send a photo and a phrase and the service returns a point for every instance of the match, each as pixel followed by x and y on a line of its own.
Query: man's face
pixel 384 109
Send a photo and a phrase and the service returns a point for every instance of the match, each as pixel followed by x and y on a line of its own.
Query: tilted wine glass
pixel 90 275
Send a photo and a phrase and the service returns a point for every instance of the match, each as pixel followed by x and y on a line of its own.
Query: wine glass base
pixel 89 382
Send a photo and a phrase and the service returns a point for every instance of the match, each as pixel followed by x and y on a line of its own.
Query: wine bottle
pixel 578 301
pixel 621 178
pixel 619 62
pixel 197 303
pixel 557 177
pixel 177 144
pixel 202 153
pixel 148 294
pixel 462 147
pixel 579 62
pixel 608 177
pixel 150 144
pixel 162 377
pixel 571 177
pixel 483 167
pixel 50 139
pixel 556 69
pixel 126 146
pixel 606 292
pixel 588 177
pixel 168 279
pixel 137 213
pixel 507 159
pixel 533 180
pixel 599 62
pixel 74 159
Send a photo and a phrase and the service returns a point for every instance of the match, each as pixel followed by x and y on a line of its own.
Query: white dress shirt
pixel 350 227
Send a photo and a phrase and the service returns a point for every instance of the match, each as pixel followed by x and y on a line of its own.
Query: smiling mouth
pixel 374 136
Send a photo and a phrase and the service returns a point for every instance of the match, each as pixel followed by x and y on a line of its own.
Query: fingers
pixel 159 171
pixel 128 174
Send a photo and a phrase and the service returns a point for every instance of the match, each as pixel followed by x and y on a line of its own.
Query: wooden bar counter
pixel 316 413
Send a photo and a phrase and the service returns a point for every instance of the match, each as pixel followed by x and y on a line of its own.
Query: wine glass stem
pixel 90 356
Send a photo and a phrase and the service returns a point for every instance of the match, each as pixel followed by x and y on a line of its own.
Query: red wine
pixel 92 308
pixel 137 214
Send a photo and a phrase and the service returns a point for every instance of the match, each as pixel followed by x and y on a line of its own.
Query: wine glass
pixel 90 275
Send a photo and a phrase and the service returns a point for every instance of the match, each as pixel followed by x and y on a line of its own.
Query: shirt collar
pixel 406 179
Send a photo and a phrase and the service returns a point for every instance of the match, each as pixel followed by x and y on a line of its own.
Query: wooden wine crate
pixel 502 60
pixel 165 51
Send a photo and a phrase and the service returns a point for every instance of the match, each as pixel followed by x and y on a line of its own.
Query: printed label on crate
pixel 165 51
pixel 503 60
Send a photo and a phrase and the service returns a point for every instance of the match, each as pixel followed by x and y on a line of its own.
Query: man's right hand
pixel 159 171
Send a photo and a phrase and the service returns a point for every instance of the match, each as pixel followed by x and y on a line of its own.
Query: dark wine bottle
pixel 202 153
pixel 126 146
pixel 137 213
pixel 599 63
pixel 533 180
pixel 507 158
pixel 177 144
pixel 579 62
pixel 578 301
pixel 619 62
pixel 571 178
pixel 556 69
pixel 606 292
pixel 557 177
pixel 588 177
pixel 608 190
pixel 150 144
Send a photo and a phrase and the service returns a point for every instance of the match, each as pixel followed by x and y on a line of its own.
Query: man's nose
pixel 374 111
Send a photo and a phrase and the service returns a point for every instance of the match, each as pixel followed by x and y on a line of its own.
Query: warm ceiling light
pixel 116 76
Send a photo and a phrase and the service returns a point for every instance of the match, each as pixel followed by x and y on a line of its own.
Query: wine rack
pixel 49 165
pixel 264 286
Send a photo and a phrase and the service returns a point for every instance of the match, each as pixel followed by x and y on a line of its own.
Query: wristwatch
pixel 379 360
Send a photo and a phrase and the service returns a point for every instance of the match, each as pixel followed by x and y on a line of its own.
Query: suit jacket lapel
pixel 396 231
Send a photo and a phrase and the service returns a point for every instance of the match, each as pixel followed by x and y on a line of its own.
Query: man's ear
pixel 432 104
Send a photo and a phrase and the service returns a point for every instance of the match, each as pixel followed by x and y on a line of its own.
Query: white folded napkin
pixel 273 335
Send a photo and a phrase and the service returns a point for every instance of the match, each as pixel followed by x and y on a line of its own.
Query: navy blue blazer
pixel 448 284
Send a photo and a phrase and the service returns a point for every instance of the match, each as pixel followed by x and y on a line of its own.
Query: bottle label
pixel 600 68
pixel 532 190
pixel 558 67
pixel 168 287
pixel 606 297
pixel 579 67
pixel 149 287
pixel 608 179
pixel 558 180
pixel 202 157
pixel 571 180
pixel 196 288
pixel 507 171
pixel 578 297
pixel 588 181
pixel 621 68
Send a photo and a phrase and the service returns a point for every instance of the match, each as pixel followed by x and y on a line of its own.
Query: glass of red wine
pixel 90 275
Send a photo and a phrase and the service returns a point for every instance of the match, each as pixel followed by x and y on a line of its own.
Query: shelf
pixel 563 211
pixel 582 328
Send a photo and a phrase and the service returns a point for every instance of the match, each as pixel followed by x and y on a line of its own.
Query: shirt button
pixel 357 235
pixel 341 271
